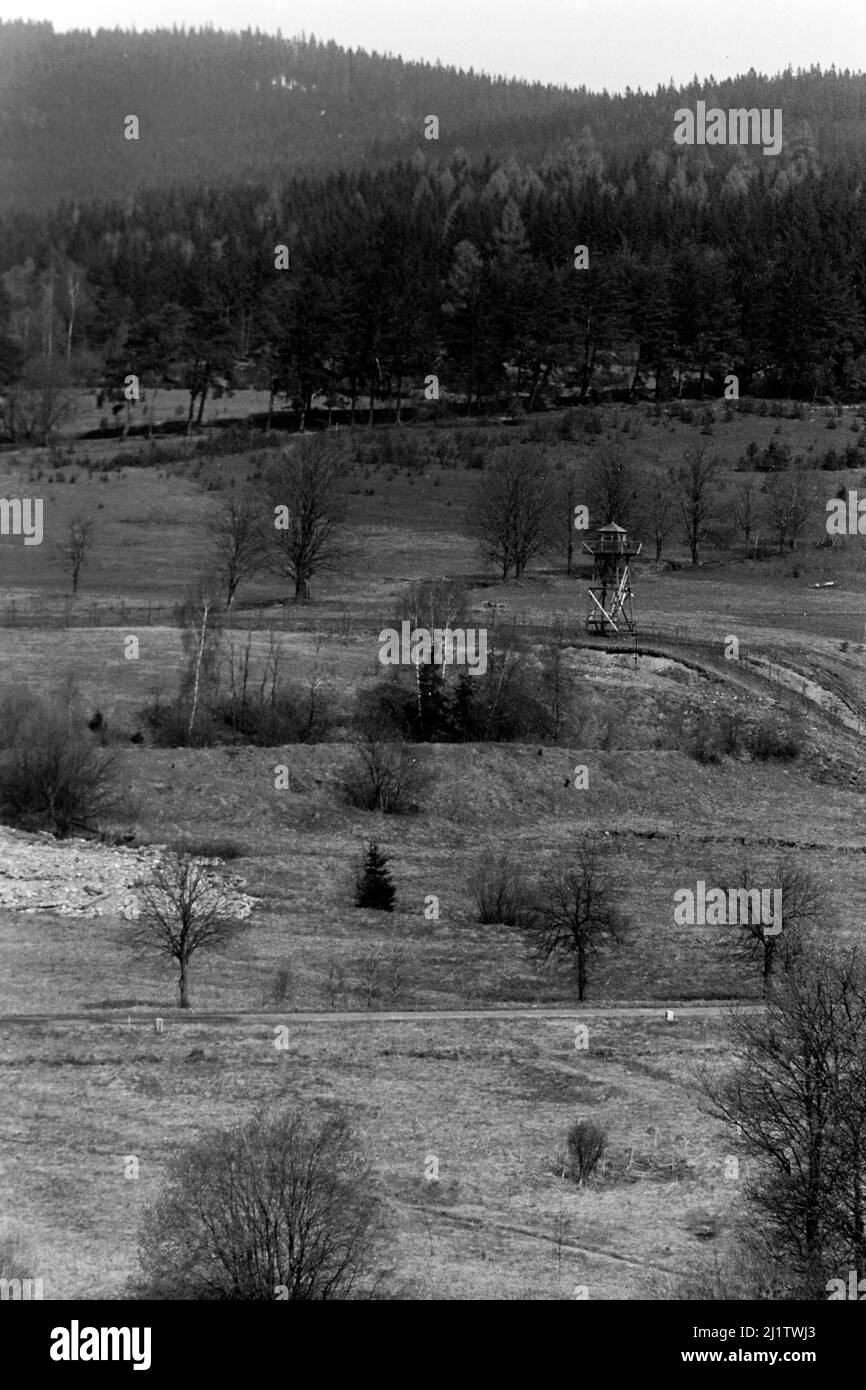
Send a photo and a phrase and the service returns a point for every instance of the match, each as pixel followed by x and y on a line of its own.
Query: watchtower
pixel 612 608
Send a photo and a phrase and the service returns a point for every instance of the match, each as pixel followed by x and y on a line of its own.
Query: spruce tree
pixel 374 885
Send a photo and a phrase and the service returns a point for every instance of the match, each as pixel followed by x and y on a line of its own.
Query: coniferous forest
pixel 406 256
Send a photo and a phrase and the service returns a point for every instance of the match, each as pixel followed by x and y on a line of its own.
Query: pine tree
pixel 374 885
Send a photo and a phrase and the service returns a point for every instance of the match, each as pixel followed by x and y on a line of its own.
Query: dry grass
pixel 492 1099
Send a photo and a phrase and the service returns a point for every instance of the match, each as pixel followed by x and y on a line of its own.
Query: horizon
pixel 670 45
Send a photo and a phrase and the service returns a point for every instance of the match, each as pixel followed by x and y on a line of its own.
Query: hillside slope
pixel 216 107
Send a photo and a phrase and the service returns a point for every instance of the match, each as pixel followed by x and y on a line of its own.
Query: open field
pixel 490 1100
pixel 493 1098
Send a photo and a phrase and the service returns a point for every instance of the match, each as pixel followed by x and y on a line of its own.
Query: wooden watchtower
pixel 612 609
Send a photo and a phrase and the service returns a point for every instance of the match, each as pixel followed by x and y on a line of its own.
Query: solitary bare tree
pixel 576 915
pixel 237 537
pixel 803 907
pixel 184 906
pixel 307 496
pixel 80 537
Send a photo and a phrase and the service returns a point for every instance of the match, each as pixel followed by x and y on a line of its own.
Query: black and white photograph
pixel 432 667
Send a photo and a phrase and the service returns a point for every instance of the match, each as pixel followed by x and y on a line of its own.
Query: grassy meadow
pixel 491 1098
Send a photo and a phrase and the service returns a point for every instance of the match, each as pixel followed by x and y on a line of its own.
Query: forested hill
pixel 219 107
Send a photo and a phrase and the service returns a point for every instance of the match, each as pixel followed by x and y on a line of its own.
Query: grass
pixel 491 1099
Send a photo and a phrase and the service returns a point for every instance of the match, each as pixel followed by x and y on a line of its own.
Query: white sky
pixel 602 43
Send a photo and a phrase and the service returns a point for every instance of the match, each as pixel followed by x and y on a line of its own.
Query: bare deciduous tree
pixel 786 505
pixel 555 687
pixel 80 537
pixel 237 537
pixel 183 907
pixel 695 482
pixel 797 1097
pixel 307 494
pixel 576 916
pixel 659 510
pixel 611 486
pixel 201 632
pixel 371 974
pixel 569 494
pixel 510 512
pixel 803 907
pixel 40 400
pixel 336 986
pixel 745 510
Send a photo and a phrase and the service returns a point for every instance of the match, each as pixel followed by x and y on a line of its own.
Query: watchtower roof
pixel 611 540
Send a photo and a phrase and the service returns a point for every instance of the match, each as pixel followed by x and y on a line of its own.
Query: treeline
pixel 462 271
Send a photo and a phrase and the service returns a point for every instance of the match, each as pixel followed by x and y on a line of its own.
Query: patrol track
pixel 486 1224
pixel 124 1017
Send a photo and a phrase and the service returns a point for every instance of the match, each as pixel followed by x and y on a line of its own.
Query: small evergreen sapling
pixel 374 885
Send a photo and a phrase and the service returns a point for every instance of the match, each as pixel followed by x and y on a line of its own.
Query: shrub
pixel 766 740
pixel 280 984
pixel 266 715
pixel 703 742
pixel 712 736
pixel 277 1207
pixel 385 778
pixel 168 724
pixel 500 892
pixel 53 775
pixel 585 1145
pixel 289 715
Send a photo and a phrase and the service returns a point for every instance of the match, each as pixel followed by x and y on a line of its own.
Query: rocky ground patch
pixel 82 878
